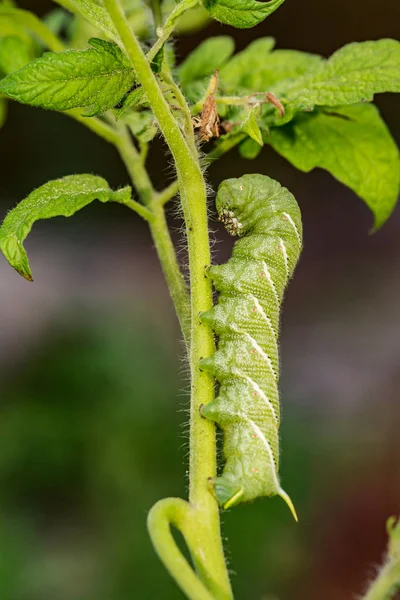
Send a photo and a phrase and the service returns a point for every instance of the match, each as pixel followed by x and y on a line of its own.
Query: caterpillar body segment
pixel 251 285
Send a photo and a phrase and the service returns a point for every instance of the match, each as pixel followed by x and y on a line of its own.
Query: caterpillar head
pixel 231 223
pixel 229 199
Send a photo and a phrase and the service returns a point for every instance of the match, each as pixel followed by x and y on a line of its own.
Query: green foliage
pixel 95 13
pixel 15 53
pixel 242 14
pixel 354 144
pixel 258 69
pixel 211 54
pixel 142 124
pixel 353 74
pixel 250 125
pixel 134 99
pixel 61 197
pixel 96 79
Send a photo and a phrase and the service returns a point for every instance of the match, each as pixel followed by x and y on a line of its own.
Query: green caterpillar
pixel 251 284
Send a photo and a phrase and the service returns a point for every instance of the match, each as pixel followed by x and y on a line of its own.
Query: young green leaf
pixel 353 74
pixel 134 99
pixel 354 144
pixel 15 53
pixel 250 125
pixel 96 78
pixel 193 20
pixel 142 124
pixel 241 13
pixel 61 197
pixel 96 14
pixel 157 61
pixel 212 54
pixel 267 67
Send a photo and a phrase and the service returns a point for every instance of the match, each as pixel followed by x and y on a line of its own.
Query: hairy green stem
pixel 170 24
pixel 99 127
pixel 386 584
pixel 183 105
pixel 135 167
pixel 203 535
pixel 387 581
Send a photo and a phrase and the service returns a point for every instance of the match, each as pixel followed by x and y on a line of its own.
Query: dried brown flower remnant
pixel 208 122
pixel 272 99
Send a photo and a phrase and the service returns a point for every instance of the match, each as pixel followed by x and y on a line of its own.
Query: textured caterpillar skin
pixel 246 319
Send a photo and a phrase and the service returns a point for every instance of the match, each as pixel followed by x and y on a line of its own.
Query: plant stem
pixel 135 167
pixel 167 512
pixel 203 537
pixel 168 193
pixel 169 26
pixel 180 98
pixel 108 133
pixel 386 584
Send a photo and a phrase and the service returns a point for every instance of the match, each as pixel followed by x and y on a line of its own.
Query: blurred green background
pixel 93 380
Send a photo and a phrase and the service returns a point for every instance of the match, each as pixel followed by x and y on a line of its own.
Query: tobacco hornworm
pixel 251 284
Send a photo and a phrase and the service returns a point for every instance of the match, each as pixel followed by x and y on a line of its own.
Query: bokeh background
pixel 93 381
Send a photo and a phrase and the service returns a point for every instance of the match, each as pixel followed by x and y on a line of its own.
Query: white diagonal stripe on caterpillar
pixel 285 256
pixel 262 312
pixel 261 352
pixel 262 395
pixel 289 218
pixel 269 279
pixel 267 445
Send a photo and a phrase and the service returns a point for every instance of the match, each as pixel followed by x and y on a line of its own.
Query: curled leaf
pixel 242 14
pixel 60 197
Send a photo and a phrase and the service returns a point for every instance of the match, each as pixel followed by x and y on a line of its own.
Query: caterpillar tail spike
pixel 285 496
